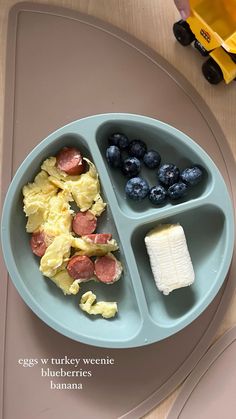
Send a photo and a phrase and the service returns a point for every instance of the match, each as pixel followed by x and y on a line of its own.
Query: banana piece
pixel 169 257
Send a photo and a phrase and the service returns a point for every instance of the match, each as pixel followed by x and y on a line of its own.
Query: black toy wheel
pixel 212 71
pixel 183 33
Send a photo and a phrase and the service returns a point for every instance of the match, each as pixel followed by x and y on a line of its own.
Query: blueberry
pixel 137 188
pixel 157 195
pixel 137 148
pixel 131 166
pixel 168 174
pixel 113 156
pixel 191 176
pixel 152 159
pixel 118 139
pixel 177 190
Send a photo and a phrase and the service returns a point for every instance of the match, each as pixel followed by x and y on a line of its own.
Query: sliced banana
pixel 169 257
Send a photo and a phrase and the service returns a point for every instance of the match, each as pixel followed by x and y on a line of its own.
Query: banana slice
pixel 169 257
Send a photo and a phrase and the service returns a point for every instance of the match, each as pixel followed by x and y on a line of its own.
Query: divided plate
pixel 145 315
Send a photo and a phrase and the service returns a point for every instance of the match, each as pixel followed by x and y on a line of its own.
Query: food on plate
pixel 173 183
pixel 137 148
pixel 85 246
pixel 177 190
pixel 50 167
pixel 131 167
pixel 56 255
pixel 120 140
pixel 170 260
pixel 57 220
pixel 168 174
pixel 191 176
pixel 70 160
pixel 65 282
pixel 107 269
pixel 113 156
pixel 37 196
pixel 80 268
pixel 137 188
pixel 59 216
pixel 39 242
pixel 106 309
pixel 62 236
pixel 83 189
pixel 152 159
pixel 157 195
pixel 84 223
pixel 98 238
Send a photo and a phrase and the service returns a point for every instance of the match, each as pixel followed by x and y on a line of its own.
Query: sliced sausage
pixel 84 223
pixel 70 160
pixel 38 243
pixel 80 267
pixel 107 269
pixel 101 238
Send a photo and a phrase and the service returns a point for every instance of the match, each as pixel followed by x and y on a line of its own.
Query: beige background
pixel 151 21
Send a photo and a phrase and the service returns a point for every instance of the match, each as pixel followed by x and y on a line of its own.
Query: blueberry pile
pixel 130 156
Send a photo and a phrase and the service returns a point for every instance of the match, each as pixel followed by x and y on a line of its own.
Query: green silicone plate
pixel 145 315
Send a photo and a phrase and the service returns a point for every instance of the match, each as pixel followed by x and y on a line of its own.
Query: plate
pixel 145 315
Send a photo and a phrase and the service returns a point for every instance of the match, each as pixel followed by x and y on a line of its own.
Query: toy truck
pixel 212 28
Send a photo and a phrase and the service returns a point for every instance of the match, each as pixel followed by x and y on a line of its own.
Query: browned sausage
pixel 38 243
pixel 84 223
pixel 80 267
pixel 101 238
pixel 70 160
pixel 107 269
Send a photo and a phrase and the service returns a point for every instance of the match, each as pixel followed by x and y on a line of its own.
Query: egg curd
pixel 88 303
pixel 37 196
pixel 84 189
pixel 47 208
pixel 85 247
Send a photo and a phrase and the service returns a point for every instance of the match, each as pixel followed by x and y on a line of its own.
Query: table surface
pixel 150 21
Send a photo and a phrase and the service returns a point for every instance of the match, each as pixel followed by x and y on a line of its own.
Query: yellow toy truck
pixel 212 28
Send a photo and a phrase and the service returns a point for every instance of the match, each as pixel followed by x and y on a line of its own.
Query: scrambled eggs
pixel 56 255
pixel 59 216
pixel 47 208
pixel 37 196
pixel 85 247
pixel 64 281
pixel 105 308
pixel 84 189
